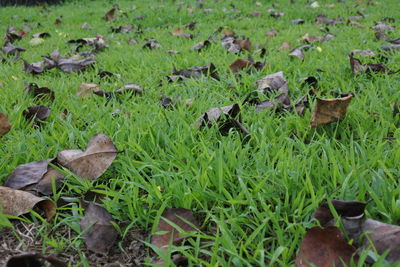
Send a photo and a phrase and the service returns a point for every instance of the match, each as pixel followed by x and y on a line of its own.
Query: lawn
pixel 252 196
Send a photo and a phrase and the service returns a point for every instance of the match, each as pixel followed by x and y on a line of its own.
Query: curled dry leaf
pixel 343 208
pixel 357 66
pixel 34 68
pixel 281 101
pixel 375 235
pixel 241 64
pixel 35 176
pixel 151 43
pixel 129 88
pixel 36 113
pixel 330 110
pixel 197 72
pixel 16 202
pixel 170 218
pixel 325 247
pixel 39 92
pixel 86 89
pixel 34 260
pixel 100 235
pixel 5 125
pixel 273 82
pixel 110 15
pixel 298 51
pixel 92 162
pixel 226 117
pixel 10 49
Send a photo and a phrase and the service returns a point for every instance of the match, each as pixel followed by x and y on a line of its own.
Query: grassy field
pixel 256 198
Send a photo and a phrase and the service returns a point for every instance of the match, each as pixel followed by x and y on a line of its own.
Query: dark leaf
pixel 10 49
pixel 32 259
pixel 297 21
pixel 129 88
pixel 36 113
pixel 364 53
pixel 298 51
pixel 382 27
pixel 100 234
pixel 39 92
pixel 197 72
pixel 70 65
pixel 41 35
pixel 202 45
pixel 322 19
pixel 92 162
pixel 310 81
pixel 123 29
pixel 275 13
pixel 34 68
pixel 151 43
pixel 273 82
pixel 325 247
pixel 392 47
pixel 343 208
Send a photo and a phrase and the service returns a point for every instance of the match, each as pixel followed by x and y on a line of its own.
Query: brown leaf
pixel 34 68
pixel 281 101
pixel 123 29
pixel 202 45
pixel 285 46
pixel 39 92
pixel 33 259
pixel 371 234
pixel 357 66
pixel 180 32
pixel 36 113
pixel 177 216
pixel 273 82
pixel 101 234
pixel 92 162
pixel 343 208
pixel 17 202
pixel 132 41
pixel 86 89
pixel 110 15
pixel 272 33
pixel 325 247
pixel 5 125
pixel 241 64
pixel 70 65
pixel 330 110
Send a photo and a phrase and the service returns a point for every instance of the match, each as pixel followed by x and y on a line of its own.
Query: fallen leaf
pixel 297 21
pixel 132 41
pixel 34 68
pixel 100 235
pixel 382 27
pixel 343 208
pixel 357 66
pixel 5 125
pixel 178 217
pixel 272 33
pixel 86 26
pixel 37 114
pixel 10 49
pixel 70 65
pixel 110 15
pixel 375 235
pixel 123 29
pixel 364 53
pixel 33 259
pixel 241 64
pixel 151 43
pixel 17 202
pixel 323 19
pixel 179 32
pixel 39 92
pixel 325 247
pixel 285 46
pixel 86 89
pixel 330 110
pixel 41 35
pixel 275 13
pixel 273 82
pixel 298 51
pixel 92 162
pixel 202 45
pixel 36 41
pixel 280 101
pixel 392 47
pixel 129 88
pixel 226 117
pixel 198 71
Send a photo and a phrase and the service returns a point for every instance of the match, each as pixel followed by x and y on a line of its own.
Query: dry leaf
pixel 273 82
pixel 241 64
pixel 92 162
pixel 5 125
pixel 175 216
pixel 86 89
pixel 330 110
pixel 32 259
pixel 343 208
pixel 324 247
pixel 100 234
pixel 37 114
pixel 17 202
pixel 39 92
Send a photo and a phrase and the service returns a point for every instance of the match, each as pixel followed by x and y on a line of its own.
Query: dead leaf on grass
pixel 151 43
pixel 110 15
pixel 180 32
pixel 273 82
pixel 325 247
pixel 33 259
pixel 37 114
pixel 100 235
pixel 174 222
pixel 5 125
pixel 39 92
pixel 86 89
pixel 197 72
pixel 16 202
pixel 330 110
pixel 92 162
pixel 129 88
pixel 241 64
pixel 298 51
pixel 343 208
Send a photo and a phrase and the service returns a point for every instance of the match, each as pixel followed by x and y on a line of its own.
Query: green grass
pixel 256 198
